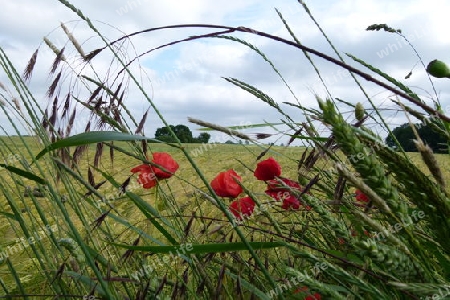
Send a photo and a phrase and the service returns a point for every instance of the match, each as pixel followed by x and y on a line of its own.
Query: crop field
pixel 184 191
pixel 91 207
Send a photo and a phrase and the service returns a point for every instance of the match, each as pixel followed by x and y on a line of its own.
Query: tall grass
pixel 78 227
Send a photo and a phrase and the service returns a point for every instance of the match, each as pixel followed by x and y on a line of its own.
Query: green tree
pixel 202 138
pixel 435 139
pixel 164 135
pixel 183 133
pixel 405 136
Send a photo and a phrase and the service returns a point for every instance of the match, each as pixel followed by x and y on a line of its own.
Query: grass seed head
pixel 73 41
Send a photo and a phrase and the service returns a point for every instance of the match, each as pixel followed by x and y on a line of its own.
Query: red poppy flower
pixel 267 169
pixel 277 195
pixel 242 207
pixel 146 176
pixel 361 197
pixel 225 184
pixel 290 202
pixel 167 162
pixel 149 175
pixel 316 296
pixel 280 192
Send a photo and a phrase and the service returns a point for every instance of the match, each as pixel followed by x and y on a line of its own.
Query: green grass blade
pixel 387 77
pixel 92 137
pixel 151 213
pixel 259 94
pixel 101 259
pixel 8 215
pixel 24 173
pixel 250 287
pixel 205 248
pixel 16 277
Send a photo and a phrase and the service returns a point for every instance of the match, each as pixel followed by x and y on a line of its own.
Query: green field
pixel 182 188
pixel 177 199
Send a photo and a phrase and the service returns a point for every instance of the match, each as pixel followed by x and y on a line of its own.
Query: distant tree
pixel 164 135
pixel 404 135
pixel 435 139
pixel 202 138
pixel 183 133
pixel 229 142
pixel 427 133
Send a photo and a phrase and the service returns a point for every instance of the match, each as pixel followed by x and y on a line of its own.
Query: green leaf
pixel 92 137
pixel 8 215
pixel 24 173
pixel 203 248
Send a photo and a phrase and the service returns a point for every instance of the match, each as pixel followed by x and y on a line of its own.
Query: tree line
pixel 431 134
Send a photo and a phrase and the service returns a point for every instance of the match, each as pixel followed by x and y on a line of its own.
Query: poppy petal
pixel 267 169
pixel 225 185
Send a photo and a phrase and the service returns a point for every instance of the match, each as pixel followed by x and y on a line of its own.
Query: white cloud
pixel 185 79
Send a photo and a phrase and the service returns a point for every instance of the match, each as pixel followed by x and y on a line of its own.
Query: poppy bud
pixel 438 69
pixel 359 111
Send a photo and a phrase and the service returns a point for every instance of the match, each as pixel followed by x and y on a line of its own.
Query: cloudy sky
pixel 187 80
